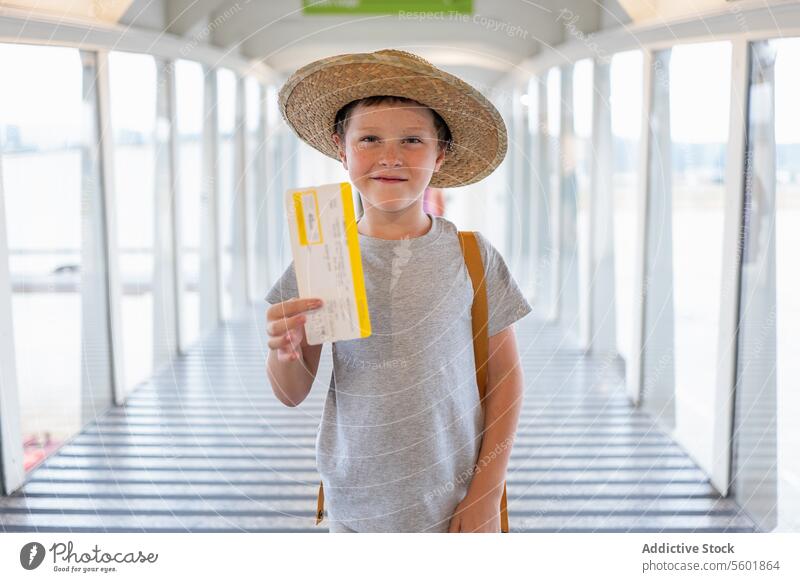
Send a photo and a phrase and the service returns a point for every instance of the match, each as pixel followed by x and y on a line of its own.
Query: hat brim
pixel 311 97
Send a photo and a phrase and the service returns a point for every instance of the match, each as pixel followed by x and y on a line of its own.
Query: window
pixel 699 94
pixel 133 115
pixel 226 191
pixel 54 224
pixel 626 121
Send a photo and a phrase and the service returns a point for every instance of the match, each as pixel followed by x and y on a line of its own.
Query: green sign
pixel 386 6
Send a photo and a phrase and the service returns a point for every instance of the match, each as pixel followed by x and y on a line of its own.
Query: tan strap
pixel 480 333
pixel 504 511
pixel 320 504
pixel 480 310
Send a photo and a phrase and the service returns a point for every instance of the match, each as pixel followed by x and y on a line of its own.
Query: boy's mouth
pixel 389 179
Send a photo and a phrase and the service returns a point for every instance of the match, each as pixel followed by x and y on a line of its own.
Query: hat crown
pixel 404 55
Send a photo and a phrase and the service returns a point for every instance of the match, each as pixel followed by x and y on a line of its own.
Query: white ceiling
pixel 481 47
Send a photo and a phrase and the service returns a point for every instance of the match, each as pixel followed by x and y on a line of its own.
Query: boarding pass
pixel 327 261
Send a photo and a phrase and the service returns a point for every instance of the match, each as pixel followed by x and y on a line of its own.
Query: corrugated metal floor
pixel 206 447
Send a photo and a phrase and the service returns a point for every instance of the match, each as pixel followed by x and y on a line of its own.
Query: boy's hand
pixel 285 326
pixel 476 515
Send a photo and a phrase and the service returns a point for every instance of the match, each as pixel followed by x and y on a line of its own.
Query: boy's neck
pixel 412 222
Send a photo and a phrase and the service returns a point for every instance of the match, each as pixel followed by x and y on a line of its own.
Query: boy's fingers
pixel 281 326
pixel 287 342
pixel 279 342
pixel 292 307
pixel 287 350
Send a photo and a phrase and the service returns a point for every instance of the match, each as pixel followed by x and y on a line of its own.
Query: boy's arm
pixel 292 381
pixel 503 405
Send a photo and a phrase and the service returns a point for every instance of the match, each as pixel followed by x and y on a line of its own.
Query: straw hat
pixel 311 97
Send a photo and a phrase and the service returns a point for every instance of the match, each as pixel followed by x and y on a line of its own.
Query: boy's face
pixel 391 152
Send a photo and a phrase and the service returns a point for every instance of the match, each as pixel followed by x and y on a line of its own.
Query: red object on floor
pixel 35 452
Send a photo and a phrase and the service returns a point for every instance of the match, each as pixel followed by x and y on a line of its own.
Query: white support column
pixel 97 78
pixel 277 182
pixel 256 158
pixel 268 221
pixel 12 466
pixel 175 208
pixel 533 189
pixel 567 307
pixel 658 345
pixel 514 199
pixel 165 264
pixel 601 313
pixel 261 209
pixel 554 216
pixel 634 367
pixel 241 176
pixel 210 281
pixel 540 252
pixel 525 192
pixel 754 474
pixel 731 268
pixel 275 214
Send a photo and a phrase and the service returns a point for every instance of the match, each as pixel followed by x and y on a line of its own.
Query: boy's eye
pixel 374 139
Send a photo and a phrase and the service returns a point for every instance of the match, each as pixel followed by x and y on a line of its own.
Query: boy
pixel 403 445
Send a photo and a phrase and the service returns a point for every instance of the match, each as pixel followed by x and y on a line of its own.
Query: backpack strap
pixel 480 310
pixel 480 333
pixel 320 504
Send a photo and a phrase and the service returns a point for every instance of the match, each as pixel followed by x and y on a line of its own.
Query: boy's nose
pixel 390 155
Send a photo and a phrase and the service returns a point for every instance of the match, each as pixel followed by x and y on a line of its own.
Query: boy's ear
pixel 439 159
pixel 340 148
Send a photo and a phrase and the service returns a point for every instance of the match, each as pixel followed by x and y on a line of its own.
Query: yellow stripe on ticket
pixel 351 229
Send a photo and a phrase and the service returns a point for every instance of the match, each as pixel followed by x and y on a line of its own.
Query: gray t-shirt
pixel 402 423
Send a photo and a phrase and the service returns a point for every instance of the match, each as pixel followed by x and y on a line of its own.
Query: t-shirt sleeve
pixel 285 287
pixel 507 303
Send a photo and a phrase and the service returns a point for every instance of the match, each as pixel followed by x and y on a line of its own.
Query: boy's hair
pixel 343 116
